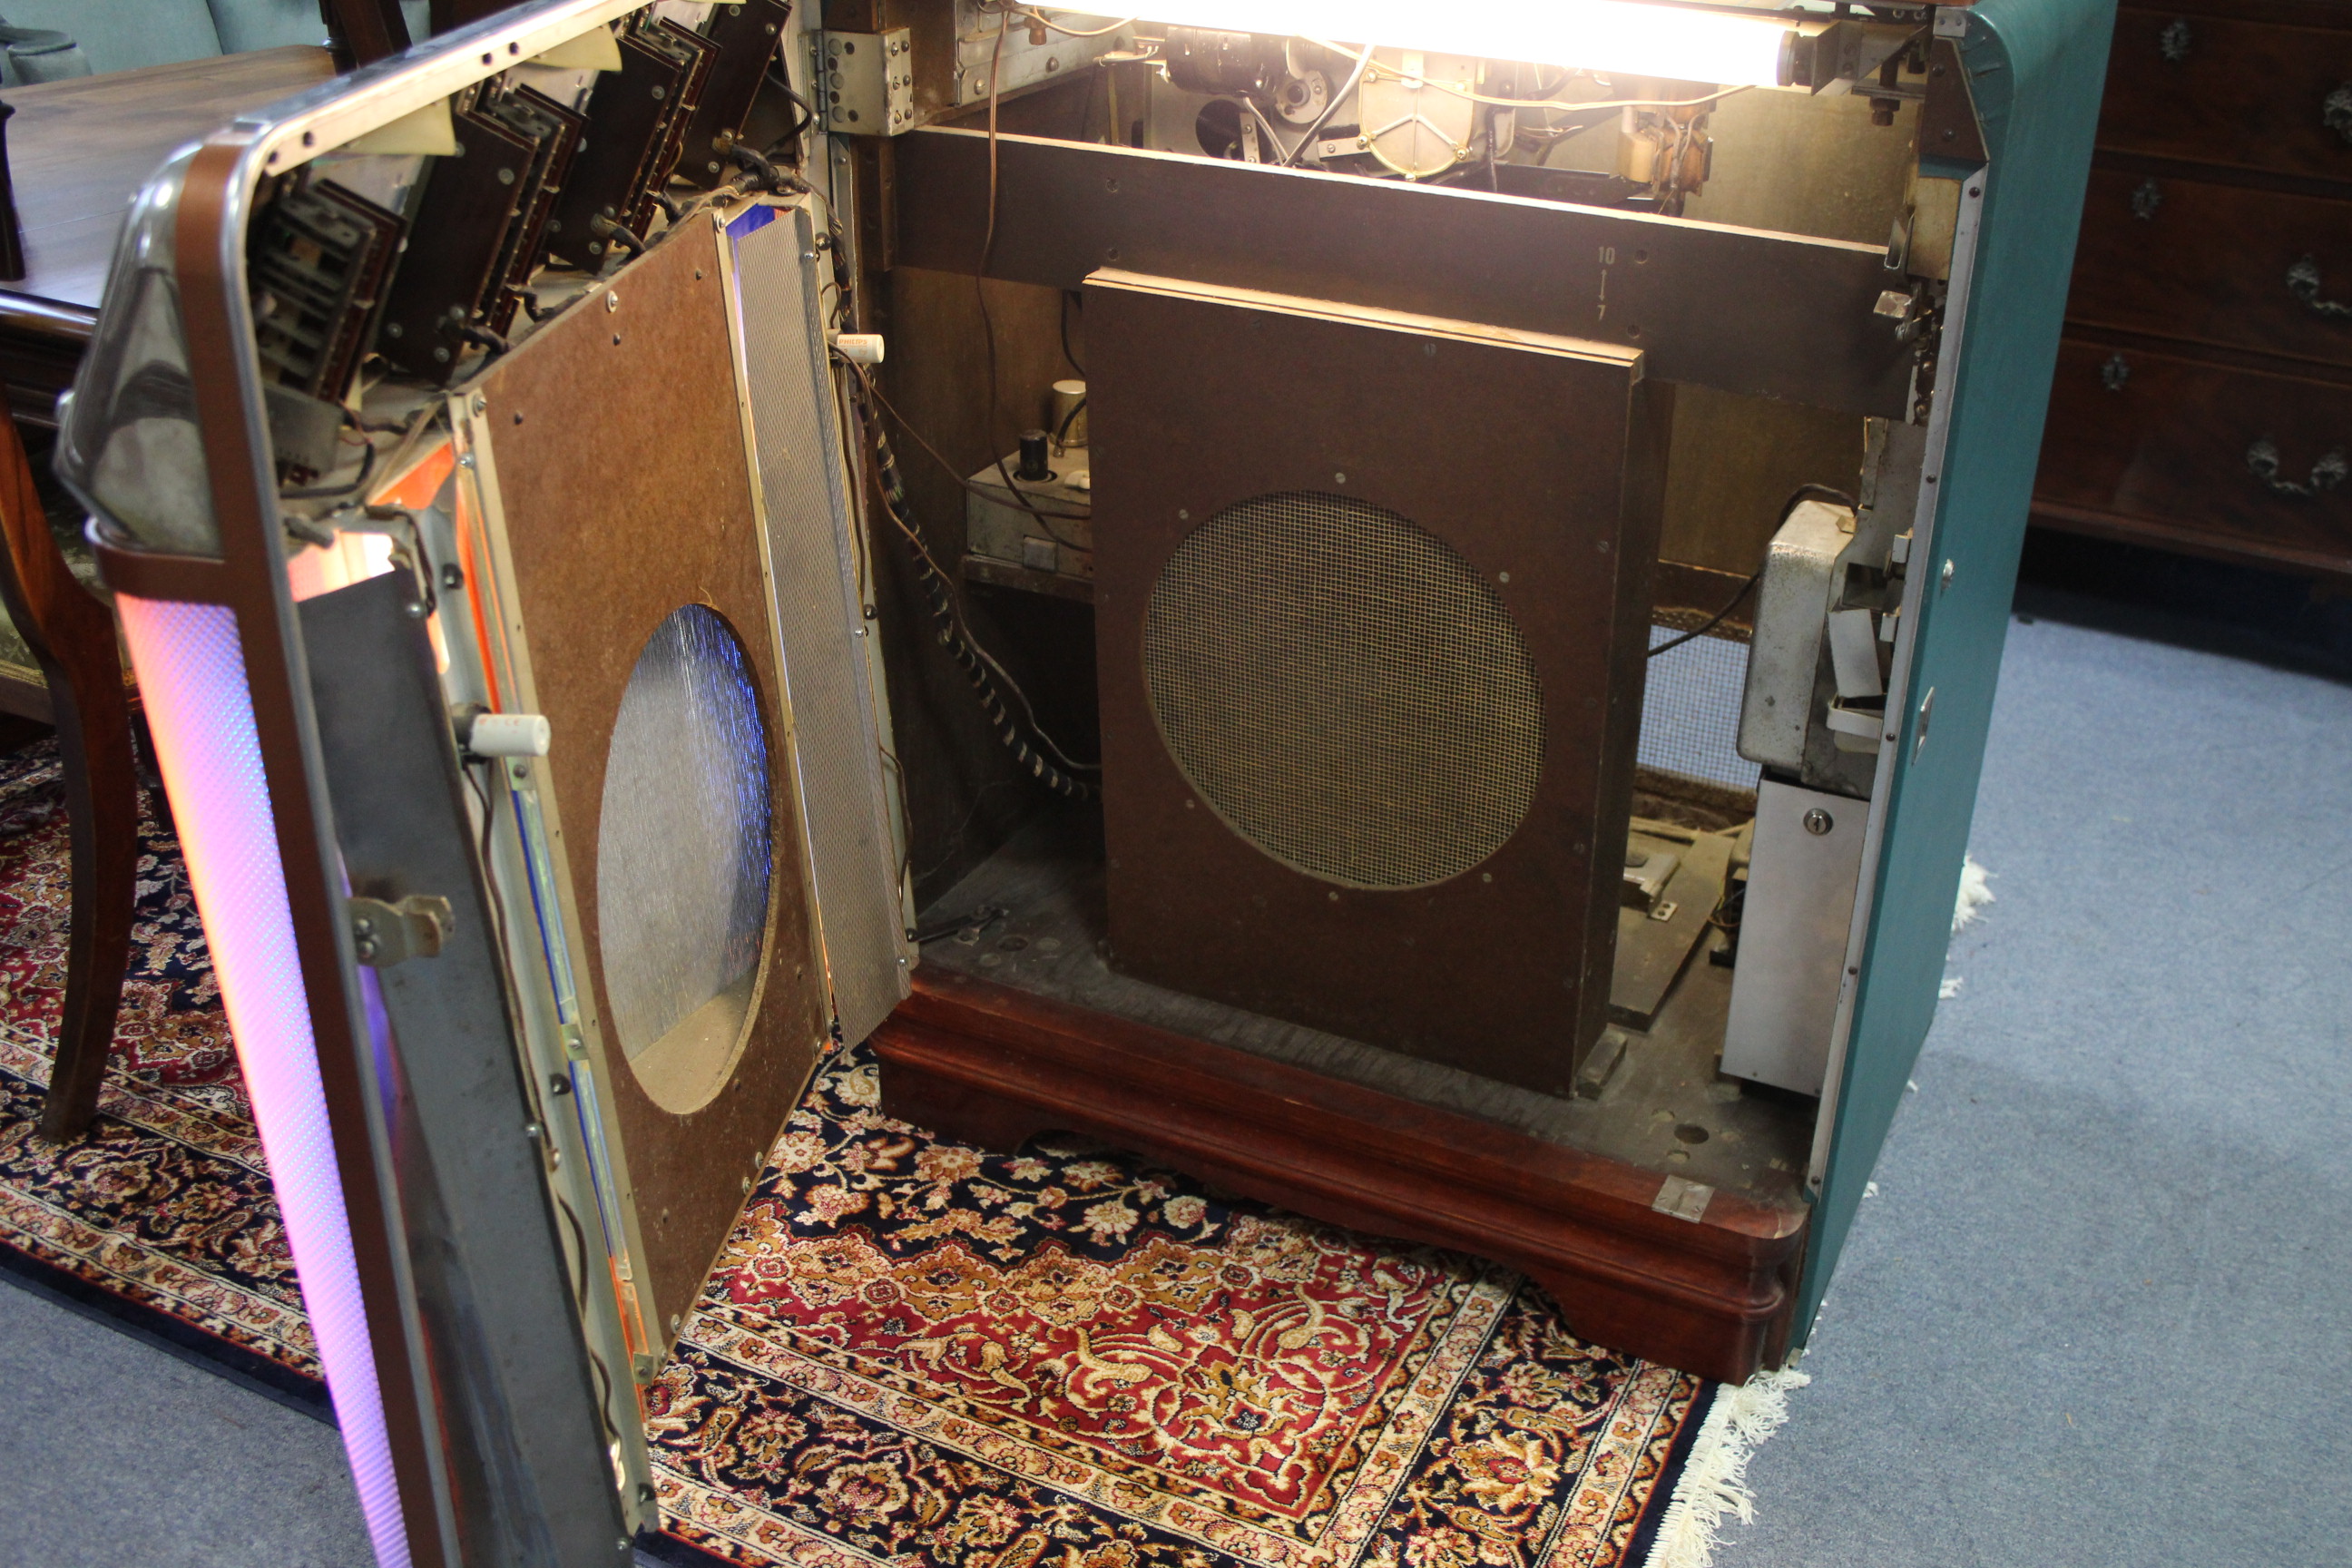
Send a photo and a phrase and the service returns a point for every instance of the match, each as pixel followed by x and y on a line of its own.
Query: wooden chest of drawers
pixel 2203 400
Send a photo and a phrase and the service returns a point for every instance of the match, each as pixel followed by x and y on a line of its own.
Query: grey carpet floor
pixel 115 1454
pixel 2096 1314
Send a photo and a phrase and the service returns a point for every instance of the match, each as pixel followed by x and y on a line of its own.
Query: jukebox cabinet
pixel 1394 607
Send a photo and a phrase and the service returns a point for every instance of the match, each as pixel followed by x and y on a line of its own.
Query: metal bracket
pixel 864 81
pixel 1683 1199
pixel 1035 49
pixel 384 934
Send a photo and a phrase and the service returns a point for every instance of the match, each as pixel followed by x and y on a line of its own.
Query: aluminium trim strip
pixel 1917 572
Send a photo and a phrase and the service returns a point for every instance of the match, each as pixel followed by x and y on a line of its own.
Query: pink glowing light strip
pixel 192 677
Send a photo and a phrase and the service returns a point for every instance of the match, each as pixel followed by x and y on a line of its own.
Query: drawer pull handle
pixel 2145 199
pixel 2337 112
pixel 2173 41
pixel 2115 373
pixel 2262 459
pixel 2302 282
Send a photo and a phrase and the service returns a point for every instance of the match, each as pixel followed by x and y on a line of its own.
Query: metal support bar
pixel 501 1298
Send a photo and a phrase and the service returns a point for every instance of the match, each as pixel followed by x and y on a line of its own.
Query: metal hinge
pixel 384 934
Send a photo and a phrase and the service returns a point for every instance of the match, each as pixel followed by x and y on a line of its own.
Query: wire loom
pixel 952 636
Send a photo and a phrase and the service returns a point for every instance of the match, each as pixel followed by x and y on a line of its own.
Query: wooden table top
pixel 80 151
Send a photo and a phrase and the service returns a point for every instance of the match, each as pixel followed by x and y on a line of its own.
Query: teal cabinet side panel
pixel 2037 67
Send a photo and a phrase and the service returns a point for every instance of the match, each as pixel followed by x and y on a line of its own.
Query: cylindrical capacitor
pixel 1070 413
pixel 507 735
pixel 1200 59
pixel 1033 458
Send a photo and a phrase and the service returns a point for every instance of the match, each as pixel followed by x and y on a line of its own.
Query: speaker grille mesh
pixel 1344 690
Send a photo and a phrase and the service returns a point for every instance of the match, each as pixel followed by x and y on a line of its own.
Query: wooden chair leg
pixel 72 638
pixel 101 779
pixel 150 773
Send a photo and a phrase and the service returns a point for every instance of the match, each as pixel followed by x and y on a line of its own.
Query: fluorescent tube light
pixel 1620 37
pixel 191 670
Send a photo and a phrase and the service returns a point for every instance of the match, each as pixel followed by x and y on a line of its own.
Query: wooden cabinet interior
pixel 1025 1018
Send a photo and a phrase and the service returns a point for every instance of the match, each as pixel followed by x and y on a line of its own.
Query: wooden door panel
pixel 2215 89
pixel 2172 444
pixel 2216 263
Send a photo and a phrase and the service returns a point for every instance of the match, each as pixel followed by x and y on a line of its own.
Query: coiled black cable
pixel 941 595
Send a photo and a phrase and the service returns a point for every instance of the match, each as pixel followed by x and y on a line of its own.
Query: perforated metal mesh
pixel 1690 710
pixel 683 843
pixel 1345 691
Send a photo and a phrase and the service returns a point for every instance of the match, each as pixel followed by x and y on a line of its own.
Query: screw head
pixel 1818 822
pixel 479 403
pixel 1951 569
pixel 611 301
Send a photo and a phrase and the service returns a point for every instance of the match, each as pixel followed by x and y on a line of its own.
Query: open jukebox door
pixel 500 628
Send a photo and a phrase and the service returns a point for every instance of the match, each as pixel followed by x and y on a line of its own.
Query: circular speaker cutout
pixel 1344 690
pixel 683 860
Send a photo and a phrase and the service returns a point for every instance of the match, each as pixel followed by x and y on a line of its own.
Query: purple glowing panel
pixel 191 676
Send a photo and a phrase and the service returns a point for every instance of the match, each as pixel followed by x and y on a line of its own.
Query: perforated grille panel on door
pixel 1345 691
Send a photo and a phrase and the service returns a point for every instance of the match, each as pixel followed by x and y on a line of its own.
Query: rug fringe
pixel 1974 893
pixel 1715 1478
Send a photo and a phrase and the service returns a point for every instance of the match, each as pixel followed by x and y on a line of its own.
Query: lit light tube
pixel 192 677
pixel 1621 36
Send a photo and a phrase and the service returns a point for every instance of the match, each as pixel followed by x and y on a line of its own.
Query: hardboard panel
pixel 1532 457
pixel 619 445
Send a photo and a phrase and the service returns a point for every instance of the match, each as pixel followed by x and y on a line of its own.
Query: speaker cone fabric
pixel 1344 690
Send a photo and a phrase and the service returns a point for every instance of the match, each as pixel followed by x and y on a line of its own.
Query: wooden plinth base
pixel 994 1066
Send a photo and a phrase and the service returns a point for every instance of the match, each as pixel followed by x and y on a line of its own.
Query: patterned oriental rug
pixel 912 1352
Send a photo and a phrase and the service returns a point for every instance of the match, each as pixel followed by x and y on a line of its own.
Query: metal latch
pixel 384 934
